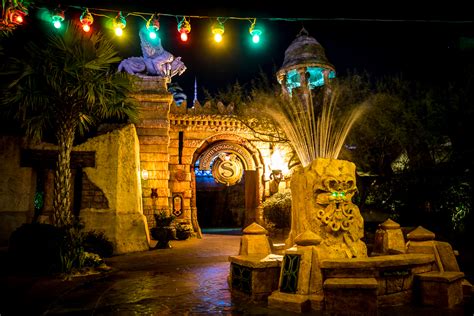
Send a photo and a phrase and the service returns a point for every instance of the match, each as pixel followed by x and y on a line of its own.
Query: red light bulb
pixel 86 28
pixel 184 36
pixel 19 19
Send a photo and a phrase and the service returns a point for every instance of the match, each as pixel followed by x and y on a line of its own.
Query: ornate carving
pixel 227 169
pixel 227 147
pixel 156 61
pixel 180 175
pixel 177 205
pixel 322 202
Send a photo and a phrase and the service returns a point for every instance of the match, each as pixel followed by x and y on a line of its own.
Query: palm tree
pixel 63 85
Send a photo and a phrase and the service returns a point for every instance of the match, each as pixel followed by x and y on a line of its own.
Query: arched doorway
pixel 227 184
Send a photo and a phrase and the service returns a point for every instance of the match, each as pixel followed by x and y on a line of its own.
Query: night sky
pixel 419 50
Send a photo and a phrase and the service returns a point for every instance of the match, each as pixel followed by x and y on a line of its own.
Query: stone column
pixel 251 196
pixel 153 134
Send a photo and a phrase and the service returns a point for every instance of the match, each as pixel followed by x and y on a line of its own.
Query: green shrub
pixel 96 242
pixel 163 220
pixel 277 210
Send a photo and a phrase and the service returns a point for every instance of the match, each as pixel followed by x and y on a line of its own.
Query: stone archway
pixel 230 158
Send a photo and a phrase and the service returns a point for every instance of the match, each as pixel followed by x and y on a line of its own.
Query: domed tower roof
pixel 305 54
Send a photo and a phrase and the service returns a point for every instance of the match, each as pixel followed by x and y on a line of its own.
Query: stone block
pixel 260 275
pixel 355 296
pixel 394 299
pixel 158 148
pixel 447 257
pixel 289 302
pixel 441 289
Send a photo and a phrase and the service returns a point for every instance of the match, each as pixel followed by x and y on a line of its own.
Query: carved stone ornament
pixel 177 205
pixel 180 175
pixel 322 203
pixel 227 169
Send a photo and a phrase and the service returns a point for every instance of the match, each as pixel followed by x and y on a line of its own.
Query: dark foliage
pixel 36 248
pixel 277 209
pixel 96 242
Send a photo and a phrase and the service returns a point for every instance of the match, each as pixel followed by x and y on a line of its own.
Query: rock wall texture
pixel 17 188
pixel 117 174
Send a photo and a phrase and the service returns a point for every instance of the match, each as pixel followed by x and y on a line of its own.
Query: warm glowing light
pixel 277 162
pixel 118 31
pixel 218 29
pixel 218 38
pixel 184 27
pixel 119 24
pixel 145 174
pixel 86 20
pixel 18 19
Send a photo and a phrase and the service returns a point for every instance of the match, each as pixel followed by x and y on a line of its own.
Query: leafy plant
pixel 277 210
pixel 96 242
pixel 183 231
pixel 163 220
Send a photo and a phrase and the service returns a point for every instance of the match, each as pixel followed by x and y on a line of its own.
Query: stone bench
pixel 442 289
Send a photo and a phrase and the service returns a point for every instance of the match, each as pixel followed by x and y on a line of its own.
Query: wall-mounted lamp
pixel 145 174
pixel 275 178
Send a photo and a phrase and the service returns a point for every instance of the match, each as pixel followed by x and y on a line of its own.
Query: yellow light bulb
pixel 218 37
pixel 118 31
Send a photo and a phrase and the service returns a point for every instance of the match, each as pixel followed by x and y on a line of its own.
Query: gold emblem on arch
pixel 227 169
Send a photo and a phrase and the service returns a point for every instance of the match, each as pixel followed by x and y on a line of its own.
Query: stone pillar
pixel 389 239
pixel 153 134
pixel 322 203
pixel 252 197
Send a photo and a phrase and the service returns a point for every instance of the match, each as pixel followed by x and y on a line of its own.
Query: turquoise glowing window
pixel 293 80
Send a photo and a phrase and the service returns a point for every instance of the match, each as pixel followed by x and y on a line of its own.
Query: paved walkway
pixel 188 279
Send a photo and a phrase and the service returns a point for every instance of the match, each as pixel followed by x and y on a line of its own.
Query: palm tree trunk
pixel 62 214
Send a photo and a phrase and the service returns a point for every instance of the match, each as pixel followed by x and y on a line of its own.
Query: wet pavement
pixel 188 279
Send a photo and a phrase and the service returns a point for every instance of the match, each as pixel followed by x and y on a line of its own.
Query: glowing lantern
pixel 218 29
pixel 58 18
pixel 184 27
pixel 119 24
pixel 86 20
pixel 153 25
pixel 255 32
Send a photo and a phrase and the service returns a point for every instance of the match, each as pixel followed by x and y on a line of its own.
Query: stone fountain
pixel 326 265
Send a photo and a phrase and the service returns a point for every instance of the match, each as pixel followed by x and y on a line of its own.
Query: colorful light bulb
pixel 86 20
pixel 57 18
pixel 218 29
pixel 153 25
pixel 184 27
pixel 119 24
pixel 255 32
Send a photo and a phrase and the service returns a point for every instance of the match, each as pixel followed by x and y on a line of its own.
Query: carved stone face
pixel 333 200
pixel 322 203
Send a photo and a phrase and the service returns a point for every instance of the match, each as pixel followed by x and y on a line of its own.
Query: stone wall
pixel 117 175
pixel 17 188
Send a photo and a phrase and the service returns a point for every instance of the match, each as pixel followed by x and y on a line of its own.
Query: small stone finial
pixel 421 234
pixel 254 229
pixel 308 238
pixel 389 224
pixel 302 32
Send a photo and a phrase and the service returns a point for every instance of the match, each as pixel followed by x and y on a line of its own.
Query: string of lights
pixel 14 11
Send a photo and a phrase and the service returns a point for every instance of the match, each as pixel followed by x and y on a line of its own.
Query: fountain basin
pixel 392 277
